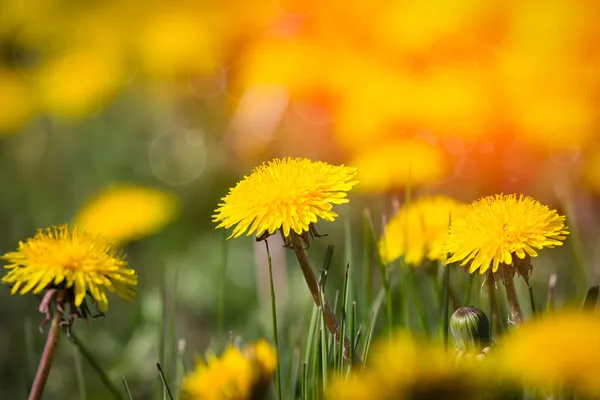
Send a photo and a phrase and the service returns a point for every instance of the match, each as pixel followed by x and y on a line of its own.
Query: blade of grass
pixel 171 356
pixel 344 318
pixel 79 373
pixel 222 290
pixel 367 256
pixel 129 396
pixel 371 325
pixel 91 360
pixel 591 299
pixel 294 373
pixel 323 332
pixel 352 333
pixel 274 316
pixel 304 381
pixel 29 353
pixel 532 301
pixel 411 272
pixel 446 305
pixel 161 373
pixel 162 340
pixel 385 281
pixel 349 255
pixel 469 290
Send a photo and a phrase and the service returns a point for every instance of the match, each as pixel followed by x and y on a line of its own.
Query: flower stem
pixel 513 301
pixel 330 319
pixel 41 376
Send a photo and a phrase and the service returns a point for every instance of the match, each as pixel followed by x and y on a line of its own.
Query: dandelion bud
pixel 470 329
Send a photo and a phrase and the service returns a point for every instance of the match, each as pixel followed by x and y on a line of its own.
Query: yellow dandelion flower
pixel 127 212
pixel 419 230
pixel 494 229
pixel 288 194
pixel 561 348
pixel 410 368
pixel 70 259
pixel 236 375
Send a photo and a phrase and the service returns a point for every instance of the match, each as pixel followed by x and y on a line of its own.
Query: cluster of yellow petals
pixel 407 367
pixel 495 228
pixel 60 257
pixel 127 212
pixel 287 194
pixel 419 230
pixel 558 349
pixel 235 375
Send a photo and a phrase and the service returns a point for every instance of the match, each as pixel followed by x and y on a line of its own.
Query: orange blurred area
pixel 333 80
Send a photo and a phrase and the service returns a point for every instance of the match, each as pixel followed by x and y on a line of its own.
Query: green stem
pixel 274 315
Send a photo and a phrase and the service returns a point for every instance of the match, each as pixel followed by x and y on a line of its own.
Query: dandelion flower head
pixel 496 228
pixel 235 375
pixel 562 348
pixel 287 194
pixel 127 212
pixel 72 259
pixel 418 231
pixel 407 367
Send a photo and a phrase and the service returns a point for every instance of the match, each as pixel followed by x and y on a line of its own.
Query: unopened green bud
pixel 470 329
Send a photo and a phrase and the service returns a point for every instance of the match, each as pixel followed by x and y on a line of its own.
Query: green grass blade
pixel 162 334
pixel 469 290
pixel 367 256
pixel 79 373
pixel 304 381
pixel 532 301
pixel 410 272
pixel 129 396
pixel 30 360
pixel 87 355
pixel 161 373
pixel 352 333
pixel 446 305
pixel 274 316
pixel 591 299
pixel 324 340
pixel 222 291
pixel 344 317
pixel 294 374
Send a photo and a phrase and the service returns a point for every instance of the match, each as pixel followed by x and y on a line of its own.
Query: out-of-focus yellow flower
pixel 496 228
pixel 235 375
pixel 417 26
pixel 288 194
pixel 73 259
pixel 419 230
pixel 408 368
pixel 398 164
pixel 561 348
pixel 80 82
pixel 590 173
pixel 15 101
pixel 174 41
pixel 127 212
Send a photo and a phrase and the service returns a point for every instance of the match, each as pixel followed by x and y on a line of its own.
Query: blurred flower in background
pixel 235 375
pixel 407 367
pixel 419 230
pixel 558 349
pixel 127 212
